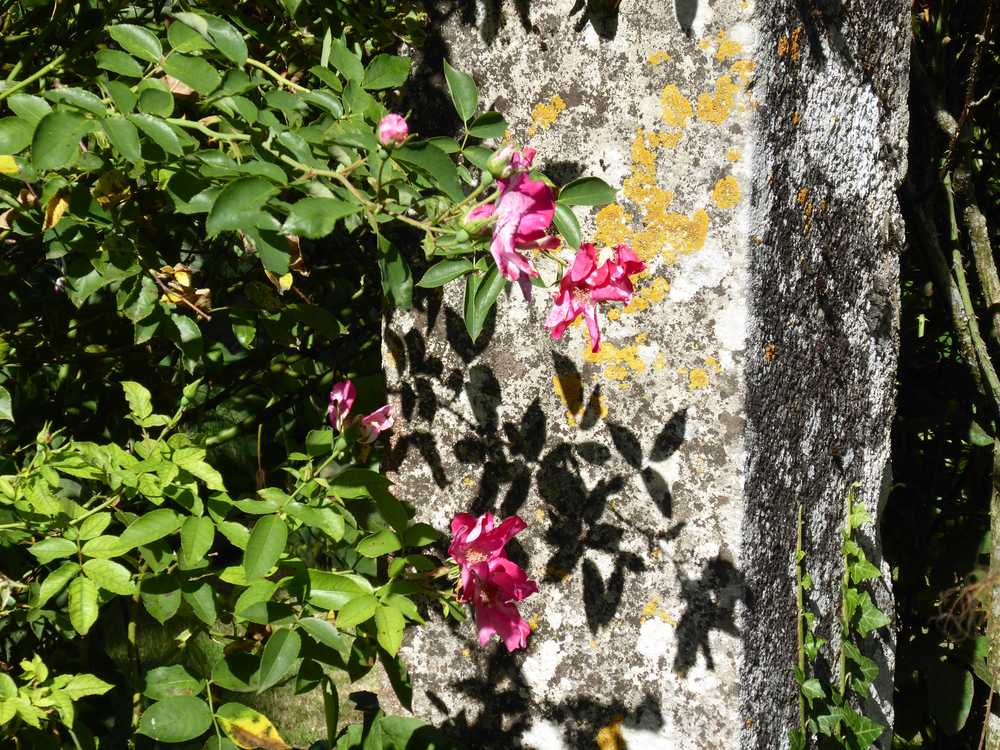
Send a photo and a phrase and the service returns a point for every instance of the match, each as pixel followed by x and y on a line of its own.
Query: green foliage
pixel 832 716
pixel 102 532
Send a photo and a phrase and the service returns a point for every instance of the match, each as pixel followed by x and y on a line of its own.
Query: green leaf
pixel 55 582
pixel 444 271
pixel 463 91
pixel 81 685
pixel 979 436
pixel 194 71
pixel 435 163
pixel 82 604
pixel 488 290
pixel 118 62
pixel 250 728
pixel 266 544
pixel 76 97
pixel 239 204
pixel 29 108
pixel 863 570
pixel 315 218
pixel 397 281
pixel 6 412
pixel 567 224
pixel 950 690
pixel 154 100
pixel 333 590
pixel 137 41
pixel 280 653
pixel 587 191
pixel 865 731
pixel 56 142
pixel 176 719
pixel 122 95
pixel 357 610
pixel 52 548
pixel 124 137
pixel 161 596
pixel 200 596
pixel 110 576
pixel 346 61
pixel 169 682
pixel 389 625
pixel 222 35
pixel 158 130
pixel 812 689
pixel 378 544
pixel 420 535
pixel 325 632
pixel 140 400
pixel 149 527
pixel 488 125
pixel 386 72
pixel 197 536
pixel 15 135
pixel 867 667
pixel 871 617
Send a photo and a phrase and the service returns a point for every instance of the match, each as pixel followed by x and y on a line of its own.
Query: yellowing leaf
pixel 249 729
pixel 8 165
pixel 55 210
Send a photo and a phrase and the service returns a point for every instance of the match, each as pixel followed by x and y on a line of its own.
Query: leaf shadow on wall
pixel 503 721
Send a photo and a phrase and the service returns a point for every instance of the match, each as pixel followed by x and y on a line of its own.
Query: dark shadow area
pixel 710 603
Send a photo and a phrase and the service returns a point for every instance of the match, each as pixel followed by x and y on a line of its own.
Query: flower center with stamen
pixel 581 295
pixel 475 556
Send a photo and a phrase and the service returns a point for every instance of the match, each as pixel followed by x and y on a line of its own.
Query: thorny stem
pixel 191 125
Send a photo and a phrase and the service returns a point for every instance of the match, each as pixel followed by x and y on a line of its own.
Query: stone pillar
pixel 757 152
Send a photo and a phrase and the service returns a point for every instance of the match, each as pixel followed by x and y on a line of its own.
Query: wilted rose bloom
pixel 475 540
pixel 524 212
pixel 521 162
pixel 392 130
pixel 342 397
pixel 494 589
pixel 376 423
pixel 588 283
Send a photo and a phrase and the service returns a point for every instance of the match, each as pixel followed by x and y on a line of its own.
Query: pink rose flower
pixel 392 130
pixel 476 540
pixel 376 423
pixel 342 397
pixel 494 589
pixel 521 162
pixel 524 212
pixel 587 284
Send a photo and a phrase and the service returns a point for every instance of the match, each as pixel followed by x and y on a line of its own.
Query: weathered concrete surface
pixel 660 521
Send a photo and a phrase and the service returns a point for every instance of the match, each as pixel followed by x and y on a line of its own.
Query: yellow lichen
pixel 610 737
pixel 675 106
pixel 743 69
pixel 612 226
pixel 539 515
pixel 657 57
pixel 648 295
pixel 544 114
pixel 716 107
pixel 697 379
pixel 619 362
pixel 733 155
pixel 726 47
pixel 726 193
pixel 713 363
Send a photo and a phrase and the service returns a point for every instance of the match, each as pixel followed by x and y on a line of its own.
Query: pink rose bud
pixel 498 164
pixel 392 130
pixel 522 162
pixel 478 219
pixel 342 397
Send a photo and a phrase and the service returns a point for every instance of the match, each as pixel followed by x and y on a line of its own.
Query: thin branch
pixel 275 75
pixel 171 293
pixel 970 90
pixel 40 73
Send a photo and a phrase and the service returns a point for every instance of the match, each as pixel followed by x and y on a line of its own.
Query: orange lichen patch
pixel 770 352
pixel 743 69
pixel 733 154
pixel 713 363
pixel 544 114
pixel 793 48
pixel 610 737
pixel 676 107
pixel 796 118
pixel 646 296
pixel 726 193
pixel 726 47
pixel 697 379
pixel 612 224
pixel 657 57
pixel 717 106
pixel 802 195
pixel 619 362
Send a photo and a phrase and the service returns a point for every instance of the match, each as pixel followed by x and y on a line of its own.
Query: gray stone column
pixel 757 152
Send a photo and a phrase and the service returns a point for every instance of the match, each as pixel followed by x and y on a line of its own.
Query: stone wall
pixel 757 162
